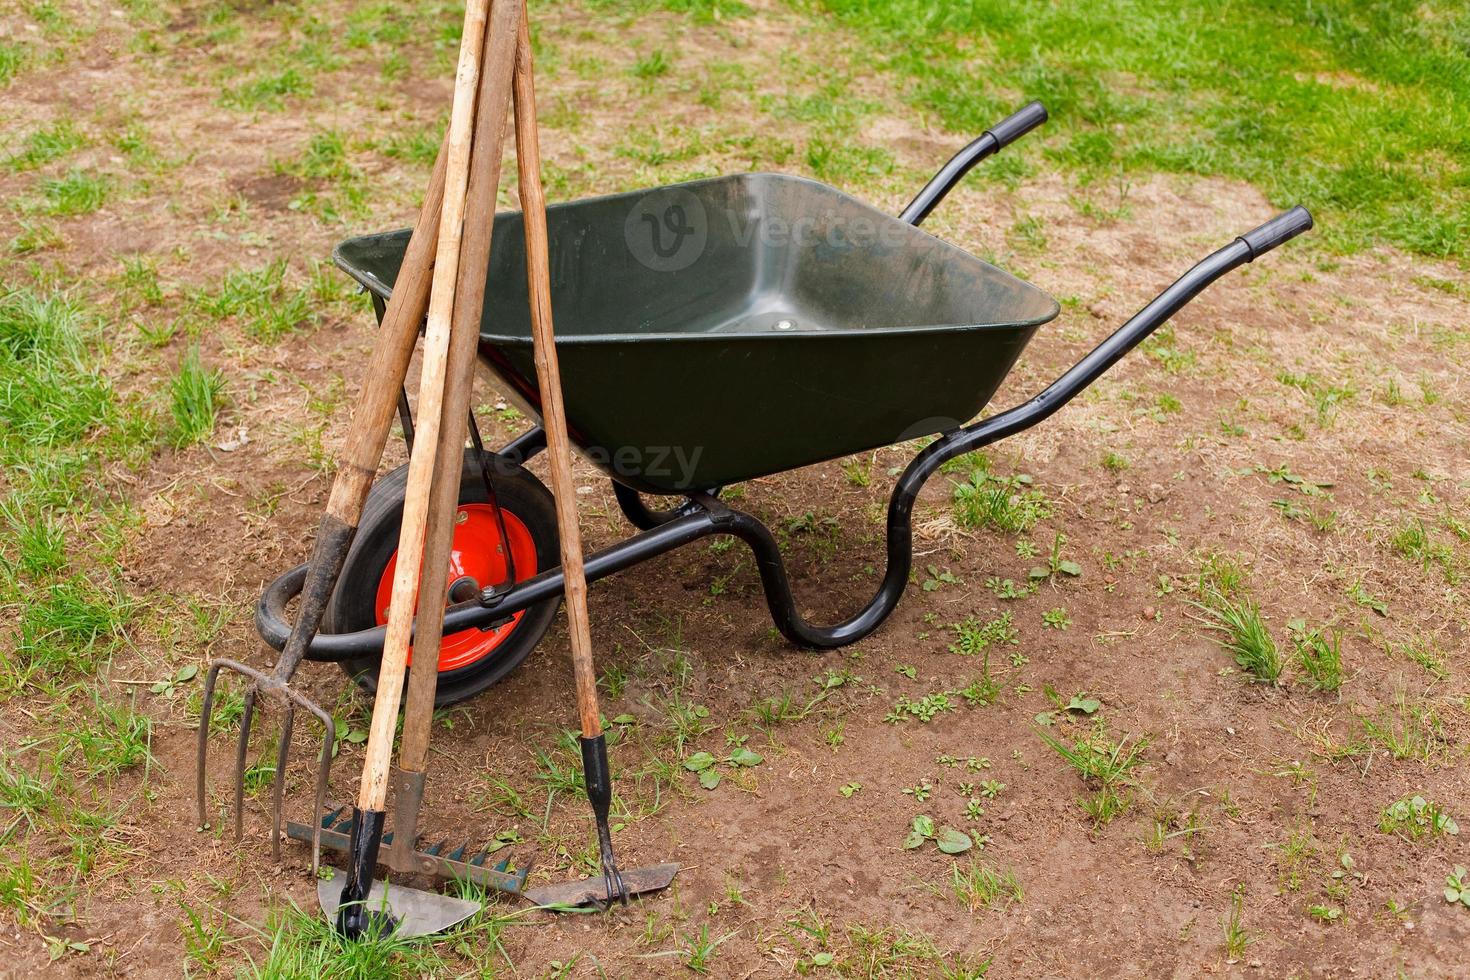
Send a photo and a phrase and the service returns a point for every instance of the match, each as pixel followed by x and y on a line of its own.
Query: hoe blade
pixel 417 913
pixel 570 894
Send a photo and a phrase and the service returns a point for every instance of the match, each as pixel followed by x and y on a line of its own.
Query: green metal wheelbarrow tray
pixel 710 333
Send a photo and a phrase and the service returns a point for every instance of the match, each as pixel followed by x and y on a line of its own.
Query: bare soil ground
pixel 1271 792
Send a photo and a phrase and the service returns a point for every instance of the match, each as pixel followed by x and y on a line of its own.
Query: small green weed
pixel 1006 503
pixel 1414 817
pixel 1056 619
pixel 947 839
pixel 260 299
pixel 1236 936
pixel 1457 886
pixel 973 637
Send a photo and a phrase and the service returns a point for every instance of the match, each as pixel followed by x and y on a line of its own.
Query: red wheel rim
pixel 476 553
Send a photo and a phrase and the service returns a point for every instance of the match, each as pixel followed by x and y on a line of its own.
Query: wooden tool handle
pixel 469 300
pixel 548 378
pixel 373 793
pixel 372 417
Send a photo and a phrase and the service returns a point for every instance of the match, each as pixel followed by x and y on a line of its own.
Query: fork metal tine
pixel 283 752
pixel 275 685
pixel 242 749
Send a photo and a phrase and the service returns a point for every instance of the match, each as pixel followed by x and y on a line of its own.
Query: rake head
pixel 462 863
pixel 264 685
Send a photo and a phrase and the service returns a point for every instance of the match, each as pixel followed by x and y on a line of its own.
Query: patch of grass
pixel 1414 817
pixel 37 536
pixel 655 64
pixel 1326 397
pixel 1413 543
pixel 1243 632
pixel 78 192
pixel 34 237
pixel 420 146
pixel 194 399
pixel 334 185
pixel 1104 764
pixel 1236 936
pixel 266 307
pixel 1006 503
pixel 12 59
pixel 1318 654
pixel 1300 70
pixel 836 161
pixel 69 627
pixel 269 91
pixel 977 886
pixel 47 144
pixel 1407 731
pixel 1423 653
pixel 49 394
pixel 301 943
pixel 707 10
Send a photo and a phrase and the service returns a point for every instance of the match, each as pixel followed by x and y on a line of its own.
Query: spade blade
pixel 570 894
pixel 418 913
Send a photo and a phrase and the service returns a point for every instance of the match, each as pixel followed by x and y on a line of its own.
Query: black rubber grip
pixel 1282 228
pixel 1018 124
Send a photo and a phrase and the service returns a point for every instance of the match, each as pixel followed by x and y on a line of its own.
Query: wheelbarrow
pixel 710 333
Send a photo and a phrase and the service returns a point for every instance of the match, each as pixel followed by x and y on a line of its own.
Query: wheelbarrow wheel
pixel 472 660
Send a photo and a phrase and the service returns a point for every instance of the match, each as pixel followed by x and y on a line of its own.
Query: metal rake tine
pixel 206 714
pixel 283 751
pixel 241 751
pixel 324 771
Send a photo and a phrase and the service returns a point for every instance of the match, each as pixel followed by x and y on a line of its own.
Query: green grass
pixel 1318 654
pixel 334 186
pixel 78 192
pixel 12 59
pixel 49 394
pixel 57 413
pixel 1357 111
pixel 47 144
pixel 1244 633
pixel 1104 764
pixel 194 399
pixel 978 886
pixel 260 299
pixel 1006 503
pixel 1236 936
pixel 269 91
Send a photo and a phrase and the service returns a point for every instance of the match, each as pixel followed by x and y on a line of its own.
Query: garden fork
pixel 372 420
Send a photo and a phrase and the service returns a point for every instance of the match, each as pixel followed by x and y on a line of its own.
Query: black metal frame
pixel 703 514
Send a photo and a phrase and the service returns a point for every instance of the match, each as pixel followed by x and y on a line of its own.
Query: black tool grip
pixel 1018 124
pixel 1282 228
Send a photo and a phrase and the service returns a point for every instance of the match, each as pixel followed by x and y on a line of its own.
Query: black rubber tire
pixel 518 492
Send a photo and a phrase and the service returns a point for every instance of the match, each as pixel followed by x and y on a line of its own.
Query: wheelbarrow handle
pixel 1002 134
pixel 1245 248
pixel 1282 228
